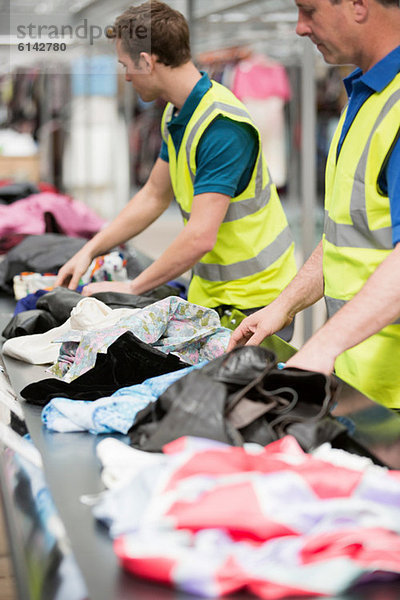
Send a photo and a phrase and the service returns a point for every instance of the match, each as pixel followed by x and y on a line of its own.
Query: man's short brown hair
pixel 167 33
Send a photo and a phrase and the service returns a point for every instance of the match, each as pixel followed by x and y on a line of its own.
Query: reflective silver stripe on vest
pixel 246 268
pixel 341 234
pixel 184 214
pixel 333 305
pixel 359 235
pixel 242 208
pixel 168 117
pixel 215 106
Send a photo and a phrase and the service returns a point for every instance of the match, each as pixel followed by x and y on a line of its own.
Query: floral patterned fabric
pixel 192 332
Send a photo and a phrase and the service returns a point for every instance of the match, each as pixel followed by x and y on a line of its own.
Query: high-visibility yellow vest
pixel 358 237
pixel 253 257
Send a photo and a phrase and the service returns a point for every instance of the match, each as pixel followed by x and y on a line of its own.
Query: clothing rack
pixel 224 55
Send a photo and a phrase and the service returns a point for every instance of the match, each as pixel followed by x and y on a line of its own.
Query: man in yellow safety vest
pixel 236 237
pixel 356 265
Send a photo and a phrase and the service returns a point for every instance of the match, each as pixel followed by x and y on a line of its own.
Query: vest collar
pixel 191 102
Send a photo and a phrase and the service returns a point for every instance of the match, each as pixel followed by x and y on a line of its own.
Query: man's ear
pixel 147 62
pixel 360 10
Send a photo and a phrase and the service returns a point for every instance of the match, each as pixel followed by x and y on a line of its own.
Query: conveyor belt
pixel 71 470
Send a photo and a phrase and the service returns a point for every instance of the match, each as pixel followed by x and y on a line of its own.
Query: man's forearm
pixel 196 239
pixel 375 306
pixel 306 288
pixel 182 254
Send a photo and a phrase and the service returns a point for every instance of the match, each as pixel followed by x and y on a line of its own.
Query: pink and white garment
pixel 263 86
pixel 28 216
pixel 212 519
pixel 260 77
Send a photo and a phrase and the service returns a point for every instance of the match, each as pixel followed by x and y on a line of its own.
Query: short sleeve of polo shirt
pixel 164 152
pixel 225 157
pixel 391 184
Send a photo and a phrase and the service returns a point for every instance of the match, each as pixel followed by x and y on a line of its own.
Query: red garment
pixel 44 186
pixel 277 522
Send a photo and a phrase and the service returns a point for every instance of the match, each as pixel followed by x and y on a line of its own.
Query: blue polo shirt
pixel 359 88
pixel 226 153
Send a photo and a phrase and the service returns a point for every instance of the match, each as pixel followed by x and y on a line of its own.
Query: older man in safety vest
pixel 357 264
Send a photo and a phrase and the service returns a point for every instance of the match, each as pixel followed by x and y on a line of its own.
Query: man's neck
pixel 381 39
pixel 178 82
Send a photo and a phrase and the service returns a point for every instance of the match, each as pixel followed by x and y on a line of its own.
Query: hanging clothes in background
pixel 22 95
pixel 95 162
pixel 36 104
pixel 54 126
pixel 220 64
pixel 263 85
pixel 145 138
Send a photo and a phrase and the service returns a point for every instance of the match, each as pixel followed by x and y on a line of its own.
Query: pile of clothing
pixel 312 512
pixel 42 212
pixel 212 519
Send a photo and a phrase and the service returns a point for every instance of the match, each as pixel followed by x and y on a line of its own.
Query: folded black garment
pixel 52 310
pixel 29 322
pixel 16 191
pixel 120 300
pixel 59 303
pixel 128 361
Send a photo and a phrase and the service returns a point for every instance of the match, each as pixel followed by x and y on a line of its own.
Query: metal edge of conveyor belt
pixel 38 543
pixel 16 539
